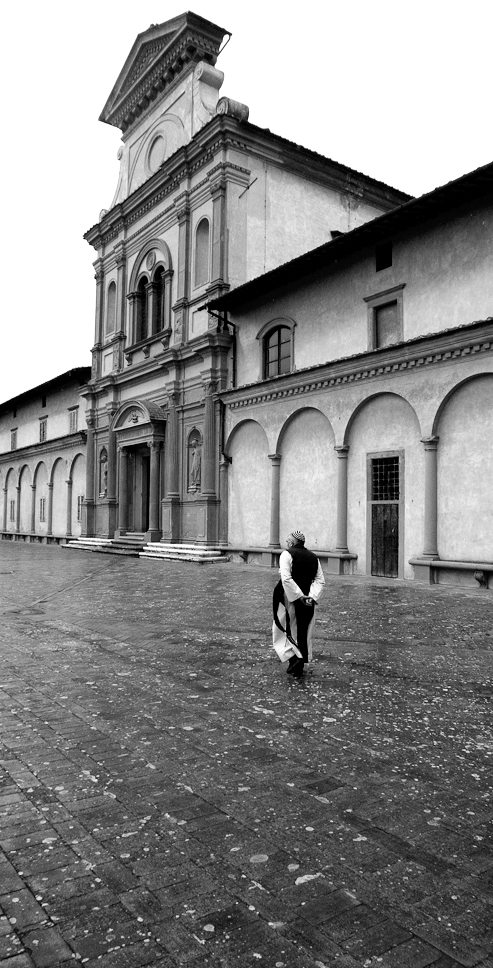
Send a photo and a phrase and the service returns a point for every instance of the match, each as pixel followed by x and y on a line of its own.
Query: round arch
pixel 308 474
pixel 40 468
pixel 373 396
pixel 458 386
pixel 464 427
pixel 162 256
pixel 249 485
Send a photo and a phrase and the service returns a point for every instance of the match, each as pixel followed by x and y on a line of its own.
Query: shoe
pixel 292 662
pixel 297 670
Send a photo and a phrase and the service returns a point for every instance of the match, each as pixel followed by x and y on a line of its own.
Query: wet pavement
pixel 168 796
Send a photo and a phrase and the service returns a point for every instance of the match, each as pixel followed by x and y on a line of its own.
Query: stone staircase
pixel 183 552
pixel 129 544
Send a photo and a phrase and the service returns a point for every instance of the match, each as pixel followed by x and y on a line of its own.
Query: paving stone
pixel 183 776
pixel 47 947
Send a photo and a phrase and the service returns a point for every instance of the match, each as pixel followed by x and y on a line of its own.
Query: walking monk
pixel 295 597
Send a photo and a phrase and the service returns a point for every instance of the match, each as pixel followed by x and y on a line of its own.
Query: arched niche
pixel 464 426
pixel 308 478
pixel 385 426
pixel 194 461
pixel 249 486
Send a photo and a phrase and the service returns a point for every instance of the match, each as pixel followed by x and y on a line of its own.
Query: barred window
pixel 12 510
pixel 43 428
pixel 74 419
pixel 385 479
pixel 42 509
pixel 80 500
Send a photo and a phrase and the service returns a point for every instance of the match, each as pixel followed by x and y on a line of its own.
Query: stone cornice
pixel 36 449
pixel 435 349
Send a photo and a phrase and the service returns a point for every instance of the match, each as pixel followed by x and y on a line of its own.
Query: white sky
pixel 400 91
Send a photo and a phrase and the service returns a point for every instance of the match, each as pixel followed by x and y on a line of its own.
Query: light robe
pixel 284 648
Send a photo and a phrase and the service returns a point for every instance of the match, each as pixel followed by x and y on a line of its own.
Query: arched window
pixel 202 252
pixel 277 351
pixel 158 305
pixel 111 309
pixel 141 310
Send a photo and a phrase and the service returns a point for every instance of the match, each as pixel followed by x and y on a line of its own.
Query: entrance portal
pixel 138 489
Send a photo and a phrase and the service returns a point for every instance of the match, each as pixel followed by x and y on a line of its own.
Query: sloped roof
pixel 471 187
pixel 80 375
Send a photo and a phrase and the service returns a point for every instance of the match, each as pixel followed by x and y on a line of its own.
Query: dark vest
pixel 305 567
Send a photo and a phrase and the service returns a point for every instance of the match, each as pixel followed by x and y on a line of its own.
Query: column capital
pixel 342 450
pixel 154 445
pixel 431 443
pixel 275 458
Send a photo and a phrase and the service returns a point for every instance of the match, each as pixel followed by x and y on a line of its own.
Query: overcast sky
pixel 399 91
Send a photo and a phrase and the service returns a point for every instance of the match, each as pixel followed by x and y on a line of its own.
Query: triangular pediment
pixel 160 55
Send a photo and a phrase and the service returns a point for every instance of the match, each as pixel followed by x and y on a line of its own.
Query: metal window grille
pixel 42 509
pixel 43 426
pixel 385 479
pixel 80 499
pixel 12 510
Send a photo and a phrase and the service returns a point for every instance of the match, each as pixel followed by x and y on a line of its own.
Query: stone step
pixel 88 544
pixel 182 552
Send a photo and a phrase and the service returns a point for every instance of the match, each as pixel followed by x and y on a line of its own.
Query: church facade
pixel 363 411
pixel 205 201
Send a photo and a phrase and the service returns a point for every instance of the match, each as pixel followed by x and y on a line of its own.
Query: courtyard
pixel 168 796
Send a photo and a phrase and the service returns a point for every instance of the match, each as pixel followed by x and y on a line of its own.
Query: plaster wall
pixel 285 215
pixel 385 423
pixel 447 278
pixel 25 498
pixel 465 472
pixel 41 481
pixel 308 479
pixel 249 487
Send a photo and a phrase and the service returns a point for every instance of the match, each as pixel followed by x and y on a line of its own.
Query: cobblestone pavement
pixel 168 796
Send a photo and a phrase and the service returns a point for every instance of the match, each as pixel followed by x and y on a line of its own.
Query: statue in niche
pixel 103 474
pixel 194 462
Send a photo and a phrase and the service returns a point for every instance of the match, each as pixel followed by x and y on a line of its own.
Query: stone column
pixel 223 496
pixel 430 549
pixel 18 509
pixel 209 446
pixel 69 507
pixel 133 301
pixel 172 448
pixel 341 538
pixel 33 508
pixel 275 499
pixel 153 326
pixel 154 447
pixel 50 508
pixel 5 502
pixel 123 491
pixel 88 522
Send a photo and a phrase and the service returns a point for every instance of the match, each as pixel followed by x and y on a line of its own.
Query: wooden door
pixel 384 502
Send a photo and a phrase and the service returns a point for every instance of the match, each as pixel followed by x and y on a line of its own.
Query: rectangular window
pixel 43 428
pixel 385 479
pixel 385 514
pixel 387 328
pixel 13 439
pixel 74 419
pixel 385 317
pixel 42 509
pixel 12 510
pixel 80 501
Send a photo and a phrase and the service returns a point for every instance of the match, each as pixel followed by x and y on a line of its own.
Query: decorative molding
pixel 414 361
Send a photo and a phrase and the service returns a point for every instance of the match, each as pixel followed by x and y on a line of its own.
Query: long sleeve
pixel 317 585
pixel 292 590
